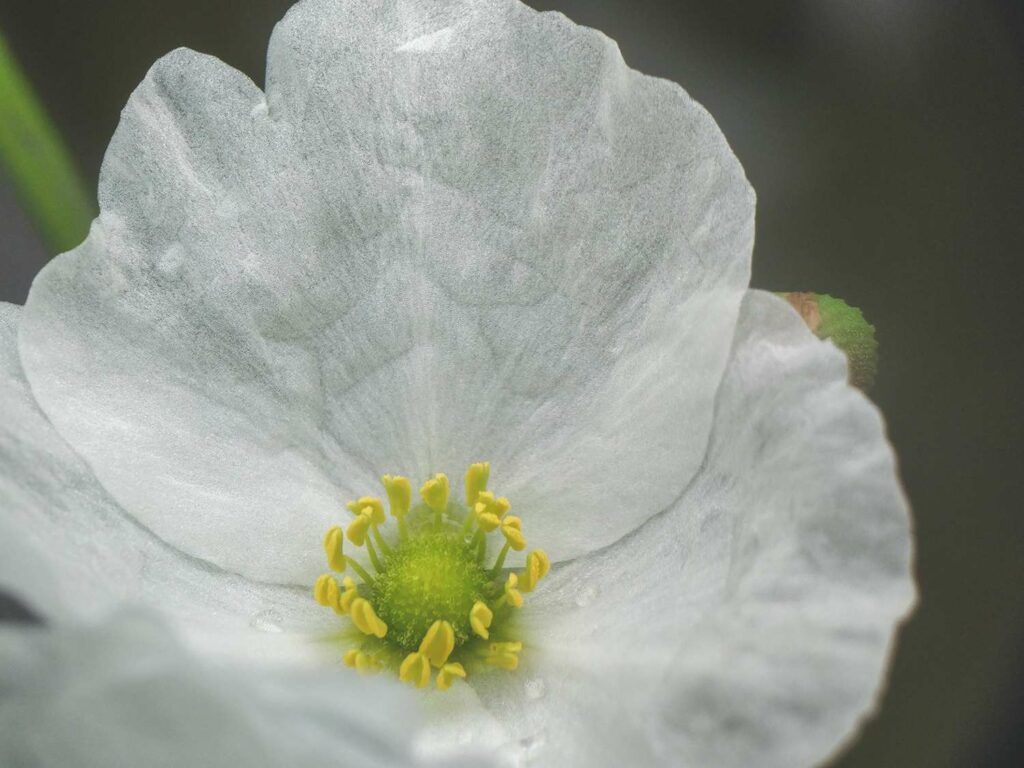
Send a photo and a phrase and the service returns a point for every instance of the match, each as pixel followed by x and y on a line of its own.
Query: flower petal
pixel 125 692
pixel 752 623
pixel 70 552
pixel 452 231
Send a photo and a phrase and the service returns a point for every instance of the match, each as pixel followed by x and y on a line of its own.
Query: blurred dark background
pixel 884 139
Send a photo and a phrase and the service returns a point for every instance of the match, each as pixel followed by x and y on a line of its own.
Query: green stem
pixel 372 552
pixel 501 560
pixel 467 525
pixel 384 548
pixel 39 166
pixel 360 570
pixel 403 529
pixel 481 546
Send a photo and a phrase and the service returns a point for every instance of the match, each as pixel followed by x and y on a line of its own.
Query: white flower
pixel 455 231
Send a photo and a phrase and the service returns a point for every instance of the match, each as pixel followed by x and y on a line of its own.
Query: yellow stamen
pixel 498 507
pixel 415 669
pixel 376 506
pixel 348 596
pixel 334 543
pixel 424 572
pixel 512 593
pixel 504 655
pixel 325 591
pixel 438 643
pixel 363 662
pixel 476 481
pixel 435 493
pixel 358 529
pixel 512 530
pixel 537 567
pixel 447 675
pixel 365 619
pixel 487 521
pixel 480 618
pixel 399 491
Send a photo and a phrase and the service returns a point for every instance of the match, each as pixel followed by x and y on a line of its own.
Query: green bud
pixel 832 318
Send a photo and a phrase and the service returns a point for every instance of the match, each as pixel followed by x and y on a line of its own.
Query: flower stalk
pixel 38 164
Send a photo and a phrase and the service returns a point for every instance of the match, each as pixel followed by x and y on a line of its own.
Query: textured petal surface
pixel 450 231
pixel 126 694
pixel 750 624
pixel 69 551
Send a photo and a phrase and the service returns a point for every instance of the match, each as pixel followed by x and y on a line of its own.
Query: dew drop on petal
pixel 531 747
pixel 586 595
pixel 268 620
pixel 534 688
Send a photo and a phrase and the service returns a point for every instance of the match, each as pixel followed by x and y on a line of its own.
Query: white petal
pixel 752 623
pixel 125 693
pixel 69 551
pixel 453 231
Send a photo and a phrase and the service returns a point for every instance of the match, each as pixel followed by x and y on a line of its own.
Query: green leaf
pixel 39 166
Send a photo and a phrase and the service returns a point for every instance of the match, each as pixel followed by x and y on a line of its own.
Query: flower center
pixel 434 601
pixel 430 577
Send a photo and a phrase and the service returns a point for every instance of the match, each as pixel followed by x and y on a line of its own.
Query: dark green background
pixel 884 138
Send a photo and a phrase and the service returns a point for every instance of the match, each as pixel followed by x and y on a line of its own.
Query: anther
pixel 447 675
pixel 325 591
pixel 435 492
pixel 365 619
pixel 504 655
pixel 512 530
pixel 399 492
pixel 358 529
pixel 375 505
pixel 334 543
pixel 348 596
pixel 537 567
pixel 415 669
pixel 363 662
pixel 512 594
pixel 480 618
pixel 476 481
pixel 438 643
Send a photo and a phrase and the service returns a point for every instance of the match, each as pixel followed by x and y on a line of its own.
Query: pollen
pixel 429 602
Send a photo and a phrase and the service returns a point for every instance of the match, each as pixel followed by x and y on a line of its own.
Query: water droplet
pixel 531 747
pixel 267 621
pixel 535 688
pixel 586 595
